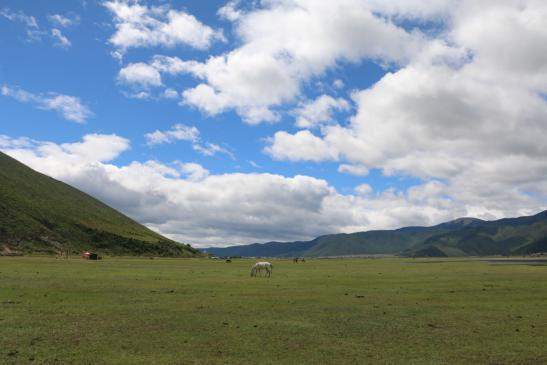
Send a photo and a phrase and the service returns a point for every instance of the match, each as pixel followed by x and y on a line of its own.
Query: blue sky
pixel 87 70
pixel 381 105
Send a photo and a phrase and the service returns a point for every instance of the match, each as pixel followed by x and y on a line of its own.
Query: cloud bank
pixel 186 202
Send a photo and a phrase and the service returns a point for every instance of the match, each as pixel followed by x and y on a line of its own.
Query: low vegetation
pixel 200 311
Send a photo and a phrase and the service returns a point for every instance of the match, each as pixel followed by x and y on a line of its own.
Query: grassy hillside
pixel 461 237
pixel 510 236
pixel 41 214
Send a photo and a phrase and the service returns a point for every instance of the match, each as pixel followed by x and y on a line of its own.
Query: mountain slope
pixel 506 236
pixel 460 237
pixel 41 214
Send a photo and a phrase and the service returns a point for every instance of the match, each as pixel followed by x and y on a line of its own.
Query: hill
pixel 39 214
pixel 460 237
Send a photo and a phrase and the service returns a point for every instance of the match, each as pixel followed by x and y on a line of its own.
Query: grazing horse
pixel 259 267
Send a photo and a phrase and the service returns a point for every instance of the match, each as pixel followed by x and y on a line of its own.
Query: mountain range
pixel 460 237
pixel 39 214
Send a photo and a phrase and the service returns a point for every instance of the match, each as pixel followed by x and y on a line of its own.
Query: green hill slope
pixel 461 237
pixel 41 214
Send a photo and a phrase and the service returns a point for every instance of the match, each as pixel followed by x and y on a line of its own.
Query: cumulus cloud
pixel 319 111
pixel 139 25
pixel 187 203
pixel 139 75
pixel 301 146
pixel 229 11
pixel 193 171
pixel 283 44
pixel 464 111
pixel 69 107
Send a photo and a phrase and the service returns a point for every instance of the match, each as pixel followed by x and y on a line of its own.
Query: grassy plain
pixel 199 311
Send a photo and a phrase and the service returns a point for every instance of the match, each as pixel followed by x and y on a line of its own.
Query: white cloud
pixel 139 75
pixel 229 11
pixel 170 94
pixel 27 20
pixel 464 111
pixel 62 20
pixel 193 171
pixel 358 170
pixel 283 44
pixel 338 84
pixel 301 146
pixel 140 25
pixel 211 149
pixel 363 189
pixel 319 111
pixel 35 33
pixel 179 132
pixel 32 29
pixel 69 107
pixel 142 76
pixel 186 202
pixel 60 39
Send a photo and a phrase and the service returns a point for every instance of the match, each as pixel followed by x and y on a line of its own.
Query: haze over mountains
pixel 460 237
pixel 39 214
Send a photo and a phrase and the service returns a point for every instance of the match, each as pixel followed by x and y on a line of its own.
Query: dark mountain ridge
pixel 459 237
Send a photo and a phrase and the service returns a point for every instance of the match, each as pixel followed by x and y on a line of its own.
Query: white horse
pixel 259 267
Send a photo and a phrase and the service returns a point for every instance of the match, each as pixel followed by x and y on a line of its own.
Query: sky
pixel 231 122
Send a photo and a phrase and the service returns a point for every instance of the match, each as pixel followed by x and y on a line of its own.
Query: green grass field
pixel 199 311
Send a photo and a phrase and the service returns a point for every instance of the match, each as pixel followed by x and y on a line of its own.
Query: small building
pixel 91 256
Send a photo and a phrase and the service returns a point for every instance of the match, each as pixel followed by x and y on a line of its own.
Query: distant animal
pixel 295 260
pixel 303 259
pixel 262 267
pixel 228 261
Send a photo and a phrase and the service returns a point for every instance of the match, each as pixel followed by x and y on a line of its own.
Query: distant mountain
pixel 460 237
pixel 39 214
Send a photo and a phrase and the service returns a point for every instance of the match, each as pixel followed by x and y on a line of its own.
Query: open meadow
pixel 336 311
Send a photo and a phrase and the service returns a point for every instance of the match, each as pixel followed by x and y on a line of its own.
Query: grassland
pixel 199 311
